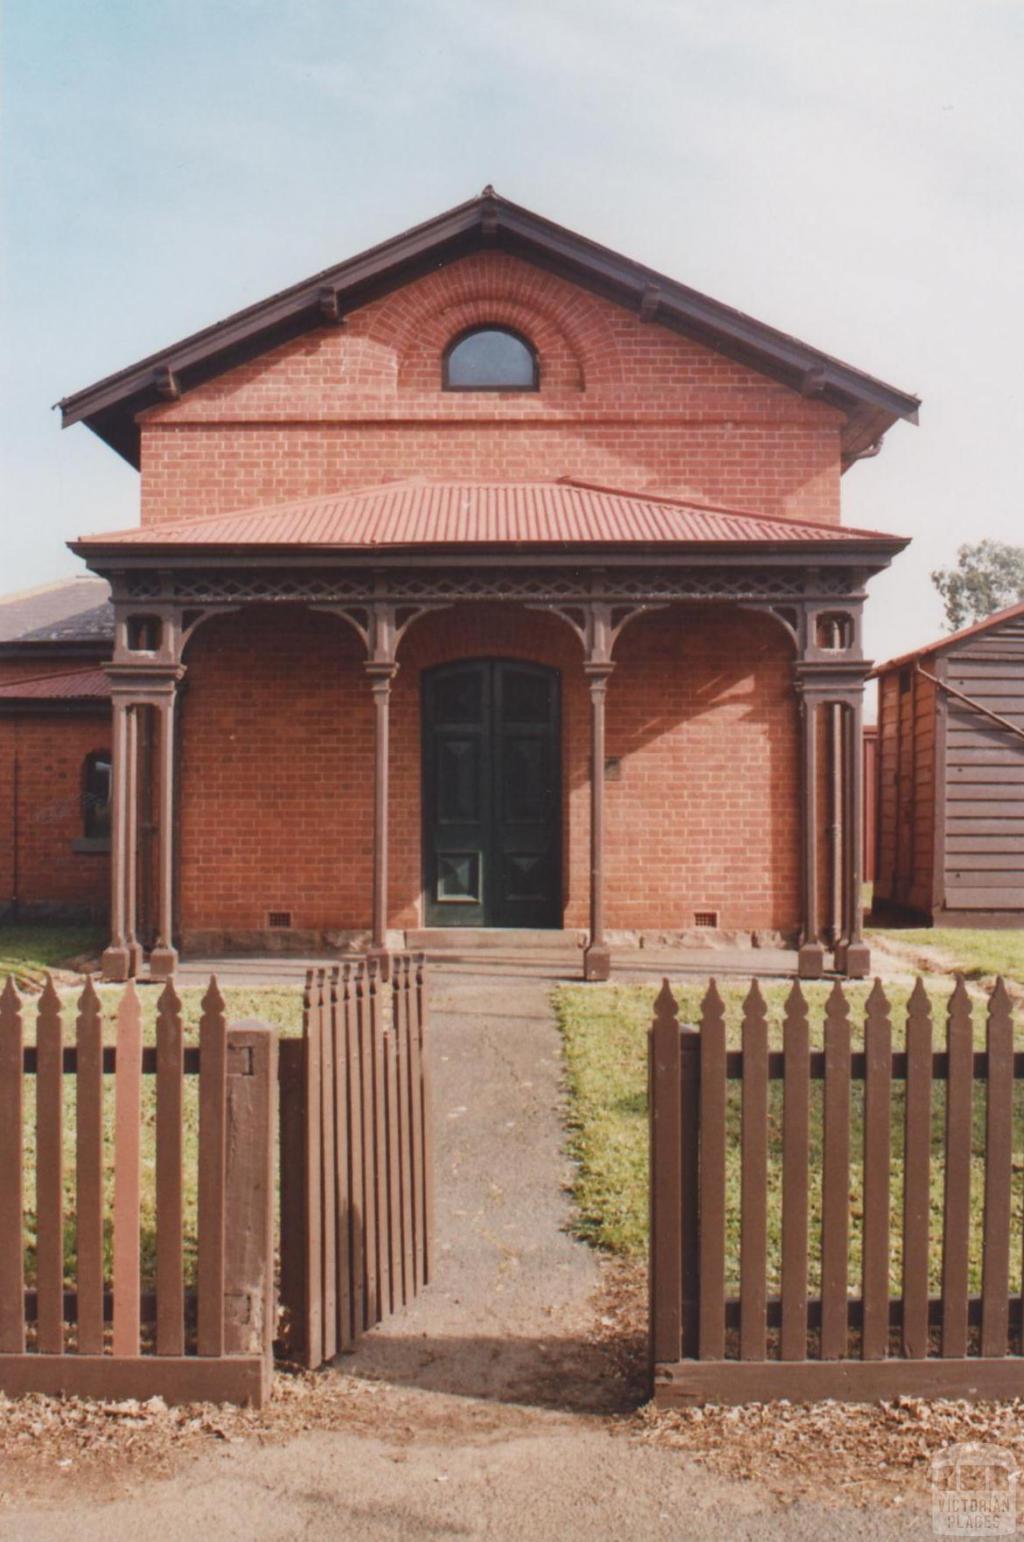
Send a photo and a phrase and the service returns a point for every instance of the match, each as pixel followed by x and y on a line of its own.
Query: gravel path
pixel 505 1314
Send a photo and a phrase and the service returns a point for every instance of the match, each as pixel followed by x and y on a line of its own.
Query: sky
pixel 850 173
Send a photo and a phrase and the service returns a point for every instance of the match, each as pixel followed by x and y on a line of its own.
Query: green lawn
pixel 28 951
pixel 605 1036
pixel 281 1007
pixel 978 955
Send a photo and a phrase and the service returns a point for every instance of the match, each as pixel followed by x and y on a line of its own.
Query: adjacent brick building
pixel 487 579
pixel 55 752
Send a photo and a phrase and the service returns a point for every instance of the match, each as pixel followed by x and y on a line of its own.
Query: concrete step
pixel 493 939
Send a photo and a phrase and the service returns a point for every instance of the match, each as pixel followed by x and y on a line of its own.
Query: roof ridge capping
pixel 673 500
pixel 110 405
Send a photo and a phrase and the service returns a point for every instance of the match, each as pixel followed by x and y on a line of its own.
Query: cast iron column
pixel 811 957
pixel 852 955
pixel 163 960
pixel 131 842
pixel 597 962
pixel 144 677
pixel 381 675
pixel 115 962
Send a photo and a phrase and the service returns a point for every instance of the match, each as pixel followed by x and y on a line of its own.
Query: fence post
pixel 689 1102
pixel 292 1138
pixel 665 1104
pixel 12 1196
pixel 249 1190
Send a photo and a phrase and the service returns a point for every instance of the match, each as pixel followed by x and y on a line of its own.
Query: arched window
pixel 96 778
pixel 490 359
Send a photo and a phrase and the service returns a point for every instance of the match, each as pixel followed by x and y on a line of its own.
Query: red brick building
pixel 55 752
pixel 488 579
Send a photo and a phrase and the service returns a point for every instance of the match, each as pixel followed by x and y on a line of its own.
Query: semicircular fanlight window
pixel 490 359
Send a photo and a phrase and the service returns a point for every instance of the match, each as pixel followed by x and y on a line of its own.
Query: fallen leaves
pixel 119 1440
pixel 848 1453
pixel 859 1453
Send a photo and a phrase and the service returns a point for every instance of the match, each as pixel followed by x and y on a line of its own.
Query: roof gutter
pixel 127 551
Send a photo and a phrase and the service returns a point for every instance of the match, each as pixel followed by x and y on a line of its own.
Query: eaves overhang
pixel 111 405
pixel 867 556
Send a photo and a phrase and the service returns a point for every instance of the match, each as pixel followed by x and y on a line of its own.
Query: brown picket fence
pixel 356 1183
pixel 89 1329
pixel 779 1166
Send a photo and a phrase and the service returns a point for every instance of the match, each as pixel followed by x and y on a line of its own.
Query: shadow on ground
pixel 571 1374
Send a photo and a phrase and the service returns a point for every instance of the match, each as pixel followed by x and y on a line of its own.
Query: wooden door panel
pixel 456 794
pixel 461 796
pixel 492 810
pixel 527 815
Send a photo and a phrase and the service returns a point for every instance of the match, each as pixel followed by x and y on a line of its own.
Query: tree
pixel 987 577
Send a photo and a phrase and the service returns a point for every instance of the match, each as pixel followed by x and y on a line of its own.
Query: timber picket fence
pixel 779 1214
pixel 104 1336
pixel 356 1183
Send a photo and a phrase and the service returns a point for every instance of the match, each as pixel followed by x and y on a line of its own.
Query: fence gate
pixel 356 1193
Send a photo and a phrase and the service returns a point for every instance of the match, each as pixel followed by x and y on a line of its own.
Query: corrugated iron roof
pixel 69 685
pixel 419 513
pixel 942 644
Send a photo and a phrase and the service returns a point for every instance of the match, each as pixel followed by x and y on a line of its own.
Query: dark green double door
pixel 491 800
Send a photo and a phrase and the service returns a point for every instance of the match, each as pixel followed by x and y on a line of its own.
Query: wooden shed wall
pixel 983 848
pixel 905 791
pixel 950 783
pixel 870 804
pixel 885 796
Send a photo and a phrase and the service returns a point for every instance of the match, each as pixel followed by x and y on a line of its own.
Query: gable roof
pixel 417 513
pixel 943 644
pixel 69 611
pixel 109 407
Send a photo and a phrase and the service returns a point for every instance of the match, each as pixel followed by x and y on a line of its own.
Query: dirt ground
pixel 506 1403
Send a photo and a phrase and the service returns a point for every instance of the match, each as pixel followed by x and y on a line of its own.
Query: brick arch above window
pixel 420 359
pixel 574 342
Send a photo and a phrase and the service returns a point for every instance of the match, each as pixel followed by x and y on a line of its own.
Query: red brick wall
pixel 621 401
pixel 277 768
pixel 706 817
pixel 37 864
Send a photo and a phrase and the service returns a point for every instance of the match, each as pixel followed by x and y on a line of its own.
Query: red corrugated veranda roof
pixel 66 685
pixel 416 514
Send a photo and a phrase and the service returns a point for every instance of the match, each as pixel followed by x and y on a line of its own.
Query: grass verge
pixel 976 954
pixel 605 1036
pixel 28 951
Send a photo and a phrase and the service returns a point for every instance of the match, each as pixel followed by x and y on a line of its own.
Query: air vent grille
pixel 279 920
pixel 705 918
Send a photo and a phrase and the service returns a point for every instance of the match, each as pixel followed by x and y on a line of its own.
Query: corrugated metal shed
pixel 423 514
